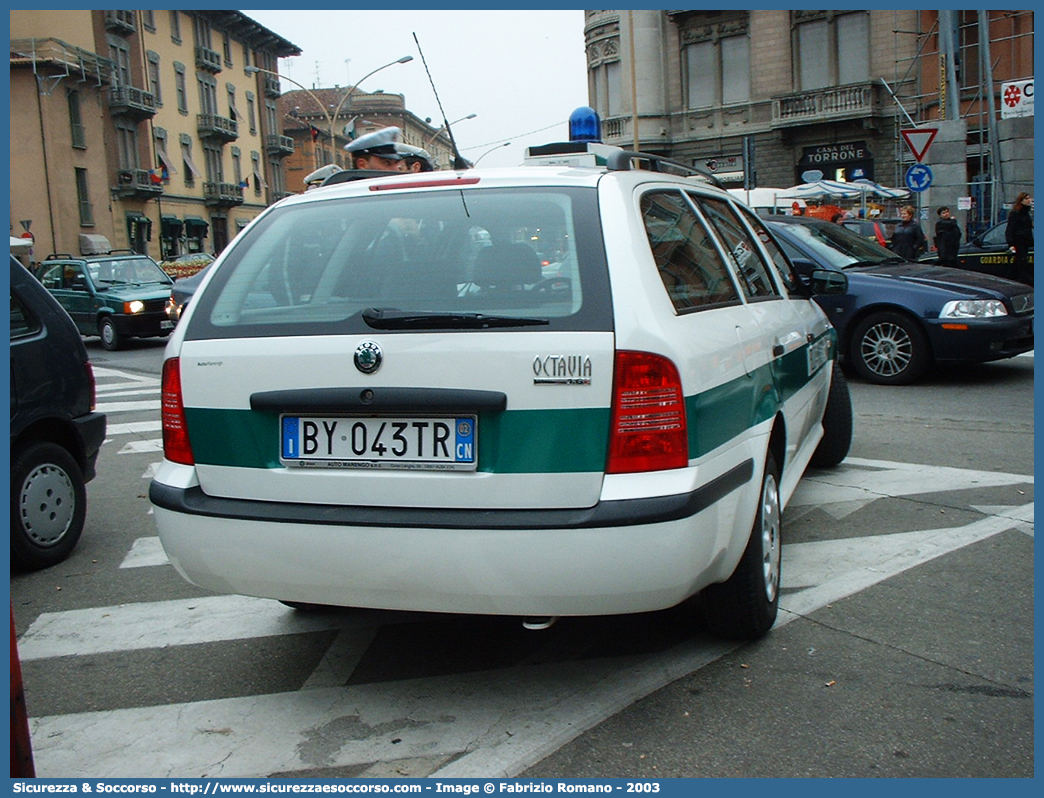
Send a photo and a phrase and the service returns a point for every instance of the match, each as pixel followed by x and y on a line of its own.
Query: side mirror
pixel 827 281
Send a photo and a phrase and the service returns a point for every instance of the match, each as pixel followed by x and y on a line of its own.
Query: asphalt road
pixel 905 645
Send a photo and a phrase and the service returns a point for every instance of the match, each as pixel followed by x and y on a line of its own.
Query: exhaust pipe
pixel 538 624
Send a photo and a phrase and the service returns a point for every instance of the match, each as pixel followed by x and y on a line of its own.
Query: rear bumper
pixel 630 512
pixel 91 430
pixel 981 340
pixel 617 557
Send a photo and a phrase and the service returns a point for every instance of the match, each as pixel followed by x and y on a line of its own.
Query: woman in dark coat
pixel 908 240
pixel 1019 236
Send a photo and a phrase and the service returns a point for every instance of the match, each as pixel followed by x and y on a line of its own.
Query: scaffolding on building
pixel 990 48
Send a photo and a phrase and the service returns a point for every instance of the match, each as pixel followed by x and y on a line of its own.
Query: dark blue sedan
pixel 897 318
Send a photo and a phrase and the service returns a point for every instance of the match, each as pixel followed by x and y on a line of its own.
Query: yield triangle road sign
pixel 919 140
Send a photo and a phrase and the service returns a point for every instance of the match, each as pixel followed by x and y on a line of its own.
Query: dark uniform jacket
pixel 947 240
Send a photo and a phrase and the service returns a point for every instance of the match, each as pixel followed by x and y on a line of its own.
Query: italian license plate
pixel 434 443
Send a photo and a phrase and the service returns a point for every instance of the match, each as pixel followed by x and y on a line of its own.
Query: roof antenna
pixel 458 160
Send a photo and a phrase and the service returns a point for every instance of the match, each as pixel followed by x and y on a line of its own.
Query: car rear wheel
pixel 889 348
pixel 837 424
pixel 110 336
pixel 48 506
pixel 745 605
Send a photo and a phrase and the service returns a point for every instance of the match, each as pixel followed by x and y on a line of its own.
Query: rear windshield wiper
pixel 390 319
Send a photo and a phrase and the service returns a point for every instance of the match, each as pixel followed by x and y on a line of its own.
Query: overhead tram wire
pixel 517 136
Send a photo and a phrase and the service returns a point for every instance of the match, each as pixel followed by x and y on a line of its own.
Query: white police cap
pixel 381 142
pixel 409 151
pixel 320 174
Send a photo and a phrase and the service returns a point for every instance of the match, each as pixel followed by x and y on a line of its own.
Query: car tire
pixel 889 348
pixel 745 605
pixel 110 336
pixel 837 424
pixel 48 505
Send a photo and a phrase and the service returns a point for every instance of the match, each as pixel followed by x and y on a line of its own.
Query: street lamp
pixel 444 126
pixel 253 70
pixel 487 152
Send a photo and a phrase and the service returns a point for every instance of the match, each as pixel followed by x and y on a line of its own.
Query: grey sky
pixel 521 72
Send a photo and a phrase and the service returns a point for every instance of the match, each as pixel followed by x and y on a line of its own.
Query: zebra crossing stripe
pixel 104 371
pixel 133 426
pixel 477 726
pixel 158 624
pixel 136 447
pixel 125 407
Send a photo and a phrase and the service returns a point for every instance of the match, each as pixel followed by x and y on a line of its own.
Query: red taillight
pixel 648 428
pixel 176 446
pixel 93 385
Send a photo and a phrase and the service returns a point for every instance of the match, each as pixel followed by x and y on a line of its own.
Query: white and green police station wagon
pixel 554 390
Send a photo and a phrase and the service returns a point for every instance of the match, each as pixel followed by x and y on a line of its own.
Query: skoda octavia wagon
pixel 542 392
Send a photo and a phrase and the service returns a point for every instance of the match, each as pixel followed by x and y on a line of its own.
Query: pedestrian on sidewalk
pixel 908 240
pixel 947 238
pixel 1019 236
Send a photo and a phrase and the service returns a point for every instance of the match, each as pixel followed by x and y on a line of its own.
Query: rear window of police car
pixel 314 267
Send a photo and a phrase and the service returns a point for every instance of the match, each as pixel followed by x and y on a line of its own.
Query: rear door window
pixel 784 268
pixel 755 278
pixel 690 264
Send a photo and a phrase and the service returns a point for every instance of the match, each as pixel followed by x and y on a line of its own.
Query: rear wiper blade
pixel 391 319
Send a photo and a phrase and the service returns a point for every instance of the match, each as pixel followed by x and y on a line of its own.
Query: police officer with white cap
pixel 417 159
pixel 320 175
pixel 378 150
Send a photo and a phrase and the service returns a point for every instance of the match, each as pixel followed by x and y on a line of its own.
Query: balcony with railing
pixel 833 104
pixel 129 101
pixel 222 194
pixel 208 60
pixel 137 183
pixel 270 86
pixel 121 22
pixel 212 126
pixel 279 146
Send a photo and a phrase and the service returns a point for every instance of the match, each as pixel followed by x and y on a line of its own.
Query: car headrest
pixel 507 266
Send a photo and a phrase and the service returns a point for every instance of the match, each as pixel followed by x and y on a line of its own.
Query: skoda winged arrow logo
pixel 368 357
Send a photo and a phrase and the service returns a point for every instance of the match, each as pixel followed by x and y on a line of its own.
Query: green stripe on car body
pixel 569 440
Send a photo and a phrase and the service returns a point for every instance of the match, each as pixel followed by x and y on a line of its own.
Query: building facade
pixel 142 130
pixel 345 114
pixel 775 98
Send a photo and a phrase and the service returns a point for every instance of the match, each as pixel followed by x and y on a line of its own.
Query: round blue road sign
pixel 918 177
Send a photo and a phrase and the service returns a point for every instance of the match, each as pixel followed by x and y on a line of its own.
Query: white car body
pixel 539 528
